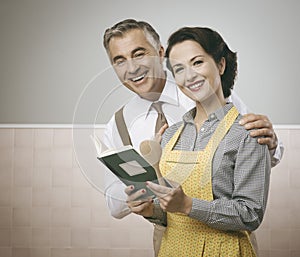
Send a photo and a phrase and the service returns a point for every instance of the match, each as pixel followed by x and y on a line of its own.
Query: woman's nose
pixel 190 74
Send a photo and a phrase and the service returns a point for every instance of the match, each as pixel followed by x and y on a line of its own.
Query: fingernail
pixel 131 187
pixel 241 122
pixel 143 191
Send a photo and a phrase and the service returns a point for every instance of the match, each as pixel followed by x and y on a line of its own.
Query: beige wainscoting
pixel 48 209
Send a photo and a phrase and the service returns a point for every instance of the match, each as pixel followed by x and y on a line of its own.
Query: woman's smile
pixel 194 87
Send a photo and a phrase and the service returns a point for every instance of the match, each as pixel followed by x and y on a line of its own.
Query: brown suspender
pixel 122 128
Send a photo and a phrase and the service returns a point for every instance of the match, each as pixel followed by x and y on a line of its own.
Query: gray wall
pixel 53 68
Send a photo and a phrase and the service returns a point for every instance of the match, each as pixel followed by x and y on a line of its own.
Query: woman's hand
pixel 171 199
pixel 137 204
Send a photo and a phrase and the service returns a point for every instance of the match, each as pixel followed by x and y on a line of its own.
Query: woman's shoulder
pixel 239 134
pixel 169 132
pixel 238 130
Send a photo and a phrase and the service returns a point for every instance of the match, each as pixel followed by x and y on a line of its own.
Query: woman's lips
pixel 195 86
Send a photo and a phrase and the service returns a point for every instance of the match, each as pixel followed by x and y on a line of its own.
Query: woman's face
pixel 195 71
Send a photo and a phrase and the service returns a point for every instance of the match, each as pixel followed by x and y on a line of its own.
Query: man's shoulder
pixel 128 106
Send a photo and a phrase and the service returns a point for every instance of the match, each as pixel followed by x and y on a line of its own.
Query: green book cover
pixel 127 164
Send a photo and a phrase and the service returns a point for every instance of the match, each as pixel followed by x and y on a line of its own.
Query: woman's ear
pixel 222 65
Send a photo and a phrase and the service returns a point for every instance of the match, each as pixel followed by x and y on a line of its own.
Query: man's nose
pixel 132 66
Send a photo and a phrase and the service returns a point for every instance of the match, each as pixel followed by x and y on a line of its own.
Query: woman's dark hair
pixel 214 45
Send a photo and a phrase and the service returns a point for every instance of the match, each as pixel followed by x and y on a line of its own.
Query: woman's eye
pixel 178 70
pixel 198 62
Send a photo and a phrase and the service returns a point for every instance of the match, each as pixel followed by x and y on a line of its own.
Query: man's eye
pixel 120 62
pixel 139 55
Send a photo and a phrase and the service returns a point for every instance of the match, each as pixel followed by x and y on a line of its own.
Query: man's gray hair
pixel 119 29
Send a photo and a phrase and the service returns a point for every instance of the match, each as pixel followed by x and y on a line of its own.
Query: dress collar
pixel 218 114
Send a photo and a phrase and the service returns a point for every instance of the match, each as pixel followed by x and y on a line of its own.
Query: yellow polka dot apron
pixel 188 237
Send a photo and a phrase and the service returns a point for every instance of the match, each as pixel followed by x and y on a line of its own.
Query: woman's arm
pixel 245 209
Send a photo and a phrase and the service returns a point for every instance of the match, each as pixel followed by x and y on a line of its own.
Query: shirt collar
pixel 169 95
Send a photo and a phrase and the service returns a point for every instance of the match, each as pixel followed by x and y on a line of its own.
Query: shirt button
pixel 202 129
pixel 212 116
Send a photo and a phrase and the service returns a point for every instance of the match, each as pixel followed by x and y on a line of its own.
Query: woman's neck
pixel 205 108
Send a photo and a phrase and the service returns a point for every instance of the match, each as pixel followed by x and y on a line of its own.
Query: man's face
pixel 137 63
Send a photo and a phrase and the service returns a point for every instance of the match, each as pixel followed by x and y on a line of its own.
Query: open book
pixel 127 164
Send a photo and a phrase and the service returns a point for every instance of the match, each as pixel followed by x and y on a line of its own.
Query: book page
pixel 102 149
pixel 113 151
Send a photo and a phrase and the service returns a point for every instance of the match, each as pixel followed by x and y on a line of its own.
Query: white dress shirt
pixel 140 118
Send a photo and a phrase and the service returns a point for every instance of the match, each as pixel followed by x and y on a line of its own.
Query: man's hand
pixel 158 135
pixel 137 204
pixel 263 129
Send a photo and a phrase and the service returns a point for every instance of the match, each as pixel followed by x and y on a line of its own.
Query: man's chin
pixel 144 91
pixel 138 89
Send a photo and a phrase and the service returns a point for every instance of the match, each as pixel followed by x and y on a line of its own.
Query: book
pixel 127 164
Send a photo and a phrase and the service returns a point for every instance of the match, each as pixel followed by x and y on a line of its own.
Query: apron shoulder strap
pixel 217 136
pixel 122 128
pixel 222 129
pixel 172 142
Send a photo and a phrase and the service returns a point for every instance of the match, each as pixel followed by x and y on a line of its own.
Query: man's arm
pixel 114 189
pixel 263 129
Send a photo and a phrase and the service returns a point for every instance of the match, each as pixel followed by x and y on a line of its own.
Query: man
pixel 135 51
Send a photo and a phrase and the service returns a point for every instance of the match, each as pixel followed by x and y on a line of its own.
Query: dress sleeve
pixel 159 216
pixel 244 210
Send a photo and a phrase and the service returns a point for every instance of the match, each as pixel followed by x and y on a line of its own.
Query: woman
pixel 222 173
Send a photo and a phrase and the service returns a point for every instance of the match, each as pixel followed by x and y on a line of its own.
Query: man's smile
pixel 138 78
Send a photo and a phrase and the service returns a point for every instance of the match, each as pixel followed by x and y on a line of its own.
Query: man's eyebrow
pixel 117 57
pixel 138 49
pixel 132 53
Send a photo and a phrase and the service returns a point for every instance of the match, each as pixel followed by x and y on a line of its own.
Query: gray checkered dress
pixel 240 174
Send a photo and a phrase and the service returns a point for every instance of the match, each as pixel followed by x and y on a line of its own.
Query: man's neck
pixel 155 95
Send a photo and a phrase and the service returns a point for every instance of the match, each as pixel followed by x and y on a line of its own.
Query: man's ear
pixel 222 65
pixel 161 53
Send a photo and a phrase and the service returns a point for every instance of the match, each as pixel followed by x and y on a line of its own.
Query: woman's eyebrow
pixel 200 55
